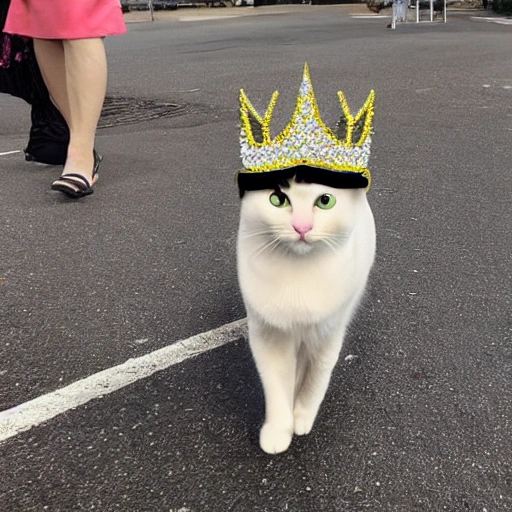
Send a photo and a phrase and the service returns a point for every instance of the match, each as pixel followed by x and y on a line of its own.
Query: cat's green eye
pixel 279 200
pixel 326 201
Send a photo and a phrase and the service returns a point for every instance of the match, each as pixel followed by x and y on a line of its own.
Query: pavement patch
pixel 118 111
pixel 34 412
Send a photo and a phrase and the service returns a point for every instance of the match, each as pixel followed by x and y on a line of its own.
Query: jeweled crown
pixel 306 140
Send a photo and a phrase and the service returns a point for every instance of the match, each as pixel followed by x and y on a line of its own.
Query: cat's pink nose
pixel 302 229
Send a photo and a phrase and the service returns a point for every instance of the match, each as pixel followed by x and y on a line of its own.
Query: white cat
pixel 304 255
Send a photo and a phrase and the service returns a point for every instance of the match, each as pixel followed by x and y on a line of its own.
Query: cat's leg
pixel 274 353
pixel 315 381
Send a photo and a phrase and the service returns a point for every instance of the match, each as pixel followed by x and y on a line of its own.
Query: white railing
pixel 431 11
pixel 400 11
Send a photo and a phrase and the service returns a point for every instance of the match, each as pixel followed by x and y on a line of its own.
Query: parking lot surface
pixel 418 416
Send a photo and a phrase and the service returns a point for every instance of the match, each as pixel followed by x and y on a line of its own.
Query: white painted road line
pixel 30 414
pixel 239 14
pixel 501 21
pixel 10 152
pixel 208 18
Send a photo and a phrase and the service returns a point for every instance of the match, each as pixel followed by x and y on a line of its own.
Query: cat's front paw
pixel 274 440
pixel 303 422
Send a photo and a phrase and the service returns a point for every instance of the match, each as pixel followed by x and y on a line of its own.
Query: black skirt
pixel 20 77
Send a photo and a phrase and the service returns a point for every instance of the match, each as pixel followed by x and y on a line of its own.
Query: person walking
pixel 69 48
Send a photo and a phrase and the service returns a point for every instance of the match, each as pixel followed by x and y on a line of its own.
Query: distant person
pixel 20 77
pixel 68 44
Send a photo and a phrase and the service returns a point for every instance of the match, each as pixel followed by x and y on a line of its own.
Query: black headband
pixel 303 174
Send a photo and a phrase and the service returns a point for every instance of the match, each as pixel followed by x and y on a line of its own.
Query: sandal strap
pixel 71 178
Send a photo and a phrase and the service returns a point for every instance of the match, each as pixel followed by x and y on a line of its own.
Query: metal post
pixel 444 11
pixel 417 11
pixel 393 16
pixel 431 10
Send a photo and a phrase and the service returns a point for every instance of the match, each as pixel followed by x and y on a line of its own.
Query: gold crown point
pixel 306 140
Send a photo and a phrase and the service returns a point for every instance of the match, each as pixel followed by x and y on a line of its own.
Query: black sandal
pixel 75 185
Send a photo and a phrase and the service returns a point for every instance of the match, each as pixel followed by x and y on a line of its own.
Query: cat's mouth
pixel 301 244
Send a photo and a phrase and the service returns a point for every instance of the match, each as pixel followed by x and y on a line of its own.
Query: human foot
pixel 76 185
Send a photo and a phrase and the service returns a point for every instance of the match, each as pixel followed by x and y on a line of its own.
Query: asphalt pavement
pixel 418 416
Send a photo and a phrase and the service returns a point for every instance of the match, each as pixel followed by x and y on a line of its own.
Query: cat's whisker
pixel 261 248
pixel 330 244
pixel 332 240
pixel 254 234
pixel 270 247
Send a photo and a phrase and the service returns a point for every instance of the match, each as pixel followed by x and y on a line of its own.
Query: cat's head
pixel 300 218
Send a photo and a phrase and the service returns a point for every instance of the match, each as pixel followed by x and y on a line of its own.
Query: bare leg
pixel 50 57
pixel 75 73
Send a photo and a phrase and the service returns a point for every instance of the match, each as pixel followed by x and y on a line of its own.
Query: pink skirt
pixel 65 19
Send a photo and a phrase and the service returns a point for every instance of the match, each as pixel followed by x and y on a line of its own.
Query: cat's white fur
pixel 300 295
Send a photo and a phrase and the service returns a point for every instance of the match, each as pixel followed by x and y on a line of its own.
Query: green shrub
pixel 502 6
